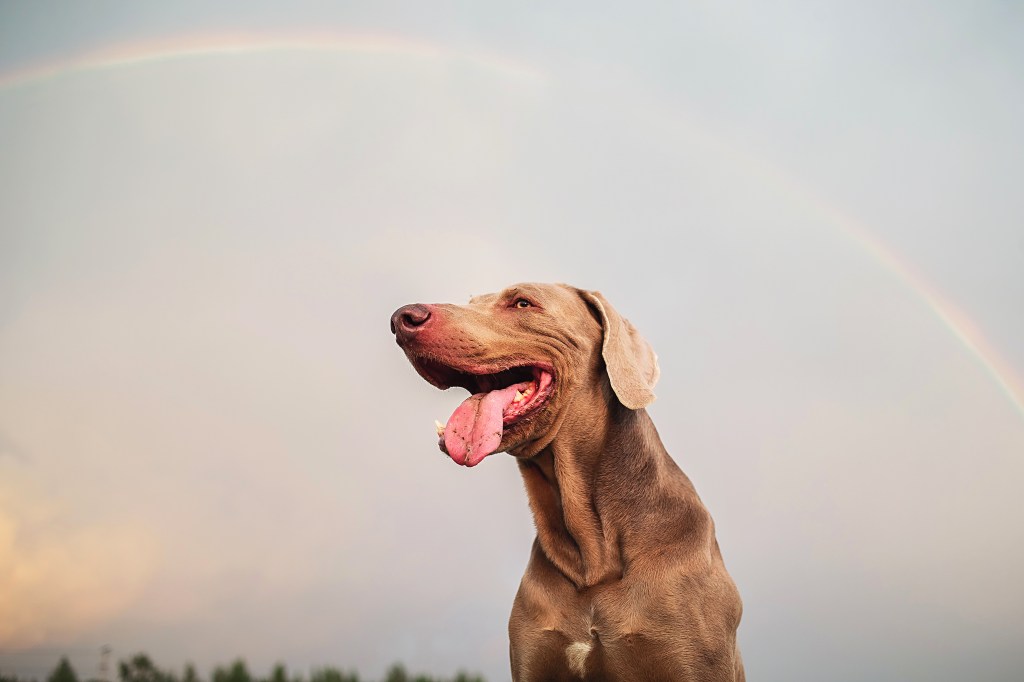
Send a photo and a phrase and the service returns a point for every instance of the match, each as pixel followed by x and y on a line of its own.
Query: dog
pixel 625 580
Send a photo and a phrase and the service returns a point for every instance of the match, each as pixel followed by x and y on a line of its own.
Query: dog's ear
pixel 631 363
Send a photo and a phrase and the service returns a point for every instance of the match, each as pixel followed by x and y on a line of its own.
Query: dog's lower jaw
pixel 544 431
pixel 529 448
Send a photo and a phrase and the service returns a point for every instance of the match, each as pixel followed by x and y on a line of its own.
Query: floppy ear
pixel 631 363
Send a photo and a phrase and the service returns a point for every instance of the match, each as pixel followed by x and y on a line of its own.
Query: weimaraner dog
pixel 625 580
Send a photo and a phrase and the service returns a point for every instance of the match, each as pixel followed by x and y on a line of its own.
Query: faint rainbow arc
pixel 212 44
pixel 956 321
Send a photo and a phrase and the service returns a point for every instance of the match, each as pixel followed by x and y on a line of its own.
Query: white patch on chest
pixel 577 653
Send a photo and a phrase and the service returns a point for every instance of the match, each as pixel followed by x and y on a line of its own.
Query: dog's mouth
pixel 501 399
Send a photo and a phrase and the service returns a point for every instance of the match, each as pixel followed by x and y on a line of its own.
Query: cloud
pixel 58 576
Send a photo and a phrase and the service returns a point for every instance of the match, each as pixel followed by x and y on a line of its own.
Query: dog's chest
pixel 615 634
pixel 623 657
pixel 590 637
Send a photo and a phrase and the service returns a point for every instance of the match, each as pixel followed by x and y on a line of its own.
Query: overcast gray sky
pixel 210 446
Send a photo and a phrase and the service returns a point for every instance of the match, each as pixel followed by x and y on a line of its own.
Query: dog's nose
pixel 409 319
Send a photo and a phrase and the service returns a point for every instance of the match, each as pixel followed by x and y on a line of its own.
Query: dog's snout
pixel 409 319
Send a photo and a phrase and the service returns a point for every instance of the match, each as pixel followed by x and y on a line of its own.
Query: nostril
pixel 415 316
pixel 409 318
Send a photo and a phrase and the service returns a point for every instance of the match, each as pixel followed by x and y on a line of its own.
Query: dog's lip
pixel 438 370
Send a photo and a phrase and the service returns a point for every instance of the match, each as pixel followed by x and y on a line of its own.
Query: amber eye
pixel 522 303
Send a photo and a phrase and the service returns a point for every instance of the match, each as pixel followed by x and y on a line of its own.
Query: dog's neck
pixel 581 479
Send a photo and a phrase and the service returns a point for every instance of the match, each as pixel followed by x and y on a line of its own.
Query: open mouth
pixel 499 400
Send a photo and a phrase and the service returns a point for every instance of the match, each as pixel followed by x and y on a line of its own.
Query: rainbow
pixel 221 44
pixel 948 313
pixel 963 329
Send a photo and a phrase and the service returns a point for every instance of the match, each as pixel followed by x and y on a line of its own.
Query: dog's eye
pixel 522 303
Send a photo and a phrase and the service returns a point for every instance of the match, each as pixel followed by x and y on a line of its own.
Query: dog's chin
pixel 517 442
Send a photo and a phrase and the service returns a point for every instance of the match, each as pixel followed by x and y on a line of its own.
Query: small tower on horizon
pixel 104 663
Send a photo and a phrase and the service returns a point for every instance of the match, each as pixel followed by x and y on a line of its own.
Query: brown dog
pixel 625 581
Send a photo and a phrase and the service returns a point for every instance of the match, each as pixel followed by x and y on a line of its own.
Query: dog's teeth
pixel 519 397
pixel 440 427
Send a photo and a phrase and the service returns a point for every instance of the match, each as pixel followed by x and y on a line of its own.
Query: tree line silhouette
pixel 140 668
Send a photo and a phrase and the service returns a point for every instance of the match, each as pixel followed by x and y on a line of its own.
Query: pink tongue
pixel 474 429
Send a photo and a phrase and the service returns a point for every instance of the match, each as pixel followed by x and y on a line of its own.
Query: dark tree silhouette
pixel 278 674
pixel 63 672
pixel 237 672
pixel 140 668
pixel 396 673
pixel 332 675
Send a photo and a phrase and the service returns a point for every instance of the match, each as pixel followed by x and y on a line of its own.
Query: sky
pixel 210 446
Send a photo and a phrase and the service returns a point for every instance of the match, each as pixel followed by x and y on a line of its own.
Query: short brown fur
pixel 625 567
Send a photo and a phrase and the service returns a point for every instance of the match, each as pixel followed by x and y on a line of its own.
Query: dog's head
pixel 527 355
